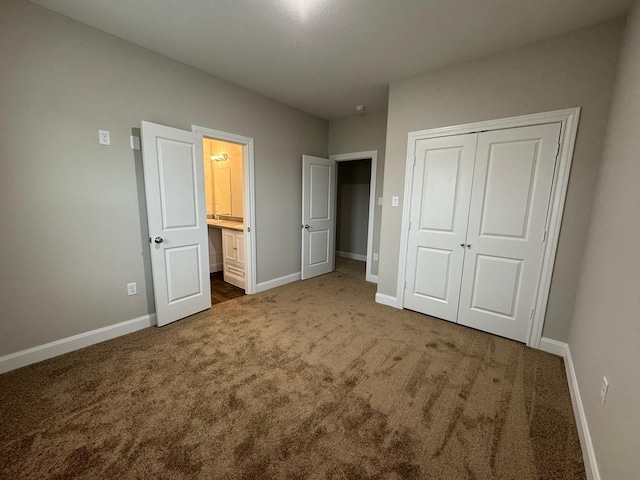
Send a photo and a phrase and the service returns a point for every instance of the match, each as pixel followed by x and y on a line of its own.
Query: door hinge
pixel 544 237
pixel 405 284
pixel 409 224
pixel 532 310
pixel 414 161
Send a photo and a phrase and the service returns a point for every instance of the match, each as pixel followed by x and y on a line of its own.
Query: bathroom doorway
pixel 230 203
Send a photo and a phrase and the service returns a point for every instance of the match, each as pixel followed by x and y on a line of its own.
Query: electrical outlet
pixel 104 137
pixel 132 288
pixel 604 390
pixel 375 257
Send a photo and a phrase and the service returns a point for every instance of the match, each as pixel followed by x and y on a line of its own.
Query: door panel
pixel 320 182
pixel 433 267
pixel 496 285
pixel 240 248
pixel 177 183
pixel 174 188
pixel 229 245
pixel 183 272
pixel 318 247
pixel 318 216
pixel 510 177
pixel 440 196
pixel 511 189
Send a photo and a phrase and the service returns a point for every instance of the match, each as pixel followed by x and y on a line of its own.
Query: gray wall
pixel 357 134
pixel 72 211
pixel 605 331
pixel 574 70
pixel 354 180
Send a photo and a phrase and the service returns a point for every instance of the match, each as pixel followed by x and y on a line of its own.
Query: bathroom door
pixel 318 216
pixel 176 212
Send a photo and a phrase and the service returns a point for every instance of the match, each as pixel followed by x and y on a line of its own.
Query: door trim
pixel 569 120
pixel 248 193
pixel 373 155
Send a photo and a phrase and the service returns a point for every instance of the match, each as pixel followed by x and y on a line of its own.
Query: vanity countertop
pixel 225 224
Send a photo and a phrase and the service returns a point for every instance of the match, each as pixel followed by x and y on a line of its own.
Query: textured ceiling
pixel 326 56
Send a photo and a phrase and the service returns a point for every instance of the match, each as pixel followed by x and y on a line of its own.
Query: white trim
pixel 569 120
pixel 553 346
pixel 388 300
pixel 249 194
pixel 352 256
pixel 588 453
pixel 75 342
pixel 278 282
pixel 373 155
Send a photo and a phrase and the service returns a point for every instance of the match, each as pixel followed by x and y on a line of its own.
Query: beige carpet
pixel 310 380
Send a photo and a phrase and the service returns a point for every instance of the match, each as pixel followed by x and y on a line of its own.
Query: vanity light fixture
pixel 221 157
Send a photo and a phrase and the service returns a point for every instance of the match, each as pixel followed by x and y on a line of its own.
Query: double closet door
pixel 479 207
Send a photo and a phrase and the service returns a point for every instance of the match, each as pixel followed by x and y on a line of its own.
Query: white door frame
pixel 373 155
pixel 248 193
pixel 569 120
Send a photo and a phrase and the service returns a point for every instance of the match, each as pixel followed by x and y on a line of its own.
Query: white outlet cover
pixel 375 257
pixel 132 288
pixel 104 137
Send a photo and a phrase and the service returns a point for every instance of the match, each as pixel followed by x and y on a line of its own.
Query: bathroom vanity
pixel 233 255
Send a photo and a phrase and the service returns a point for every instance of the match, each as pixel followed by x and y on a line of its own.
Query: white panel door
pixel 174 185
pixel 511 189
pixel 442 178
pixel 318 216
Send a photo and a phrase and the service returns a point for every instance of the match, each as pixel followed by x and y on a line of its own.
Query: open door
pixel 318 216
pixel 174 185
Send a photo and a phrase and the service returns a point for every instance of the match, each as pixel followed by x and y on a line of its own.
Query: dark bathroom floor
pixel 222 291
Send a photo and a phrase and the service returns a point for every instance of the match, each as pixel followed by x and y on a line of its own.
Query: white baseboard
pixel 387 300
pixel 588 453
pixel 372 278
pixel 553 346
pixel 278 282
pixel 352 256
pixel 76 342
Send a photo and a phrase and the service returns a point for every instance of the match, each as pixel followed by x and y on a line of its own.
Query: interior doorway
pixel 355 207
pixel 230 206
pixel 223 178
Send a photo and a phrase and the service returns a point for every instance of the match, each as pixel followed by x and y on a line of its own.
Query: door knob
pixel 158 240
pixel 462 245
pixel 307 227
pixel 468 245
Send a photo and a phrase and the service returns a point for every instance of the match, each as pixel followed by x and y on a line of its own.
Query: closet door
pixel 511 188
pixel 441 190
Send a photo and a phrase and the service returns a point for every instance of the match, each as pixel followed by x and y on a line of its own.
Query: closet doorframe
pixel 569 120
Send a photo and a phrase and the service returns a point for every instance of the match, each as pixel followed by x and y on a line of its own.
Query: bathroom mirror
pixel 222 190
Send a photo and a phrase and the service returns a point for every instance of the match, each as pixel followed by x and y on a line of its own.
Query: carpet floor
pixel 310 380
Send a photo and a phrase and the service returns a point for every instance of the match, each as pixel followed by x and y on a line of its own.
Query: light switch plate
pixel 135 142
pixel 380 200
pixel 104 137
pixel 394 201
